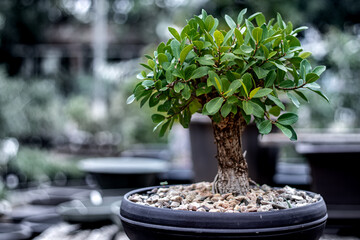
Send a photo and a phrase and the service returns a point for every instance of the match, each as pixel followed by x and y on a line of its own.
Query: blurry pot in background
pixel 334 174
pixel 158 151
pixel 261 160
pixel 124 172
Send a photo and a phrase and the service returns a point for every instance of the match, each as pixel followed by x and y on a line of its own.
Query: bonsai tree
pixel 234 76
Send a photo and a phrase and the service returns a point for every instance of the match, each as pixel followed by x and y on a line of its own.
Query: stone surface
pixel 198 197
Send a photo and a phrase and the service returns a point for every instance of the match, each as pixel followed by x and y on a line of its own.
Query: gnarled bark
pixel 232 176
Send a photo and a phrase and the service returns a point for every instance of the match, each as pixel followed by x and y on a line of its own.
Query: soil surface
pixel 198 197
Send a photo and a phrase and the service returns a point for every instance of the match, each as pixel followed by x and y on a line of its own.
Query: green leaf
pixel 276 101
pixel 203 14
pixel 265 127
pixel 194 106
pixel 280 21
pixel 156 118
pixel 239 37
pixel 299 29
pixel 228 57
pixel 151 63
pixel 300 94
pixel 241 16
pixel 185 31
pixel 304 55
pixel 158 85
pixel 265 50
pixel 165 107
pixel 162 58
pixel 305 68
pixel 178 73
pixel 228 36
pixel 226 109
pixel 185 52
pixel 186 92
pixel 145 99
pixel 272 54
pixel 206 60
pixel 214 105
pixel 160 48
pixel 209 22
pixel 185 118
pixel 148 83
pixel 253 92
pixel 287 119
pixel 199 44
pixel 247 83
pixel 230 22
pixel 164 128
pixel 293 99
pixel 215 81
pixel 248 109
pixel 157 126
pixel 262 93
pixel 200 22
pixel 311 77
pixel 287 84
pixel 141 76
pixel 169 77
pixel 319 70
pixel 275 111
pixel 219 38
pixel 272 38
pixel 257 34
pixel 249 27
pixel 234 85
pixel 270 78
pixel 154 100
pixel 288 131
pixel 232 100
pixel 246 49
pixel 146 66
pixel 260 72
pixel 260 19
pixel 279 66
pixel 139 90
pixel 130 99
pixel 320 94
pixel 175 33
pixel 175 48
pixel 209 38
pixel 253 108
pixel 258 111
pixel 199 72
pixel 178 87
pixel 293 41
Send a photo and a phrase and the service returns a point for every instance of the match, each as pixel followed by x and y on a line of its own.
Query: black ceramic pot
pixel 150 223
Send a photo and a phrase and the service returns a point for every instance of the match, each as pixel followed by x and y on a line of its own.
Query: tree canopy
pixel 245 69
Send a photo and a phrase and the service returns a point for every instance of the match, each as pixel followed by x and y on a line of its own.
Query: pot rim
pixel 211 220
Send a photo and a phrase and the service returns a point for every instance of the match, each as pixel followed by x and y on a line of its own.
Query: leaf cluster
pixel 222 73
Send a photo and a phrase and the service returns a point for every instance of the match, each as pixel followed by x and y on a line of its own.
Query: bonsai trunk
pixel 232 176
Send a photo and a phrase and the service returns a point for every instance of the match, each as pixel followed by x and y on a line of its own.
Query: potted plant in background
pixel 234 77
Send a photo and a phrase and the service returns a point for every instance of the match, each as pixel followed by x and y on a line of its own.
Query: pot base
pixel 141 231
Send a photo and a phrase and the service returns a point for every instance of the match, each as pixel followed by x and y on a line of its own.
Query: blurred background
pixel 68 66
